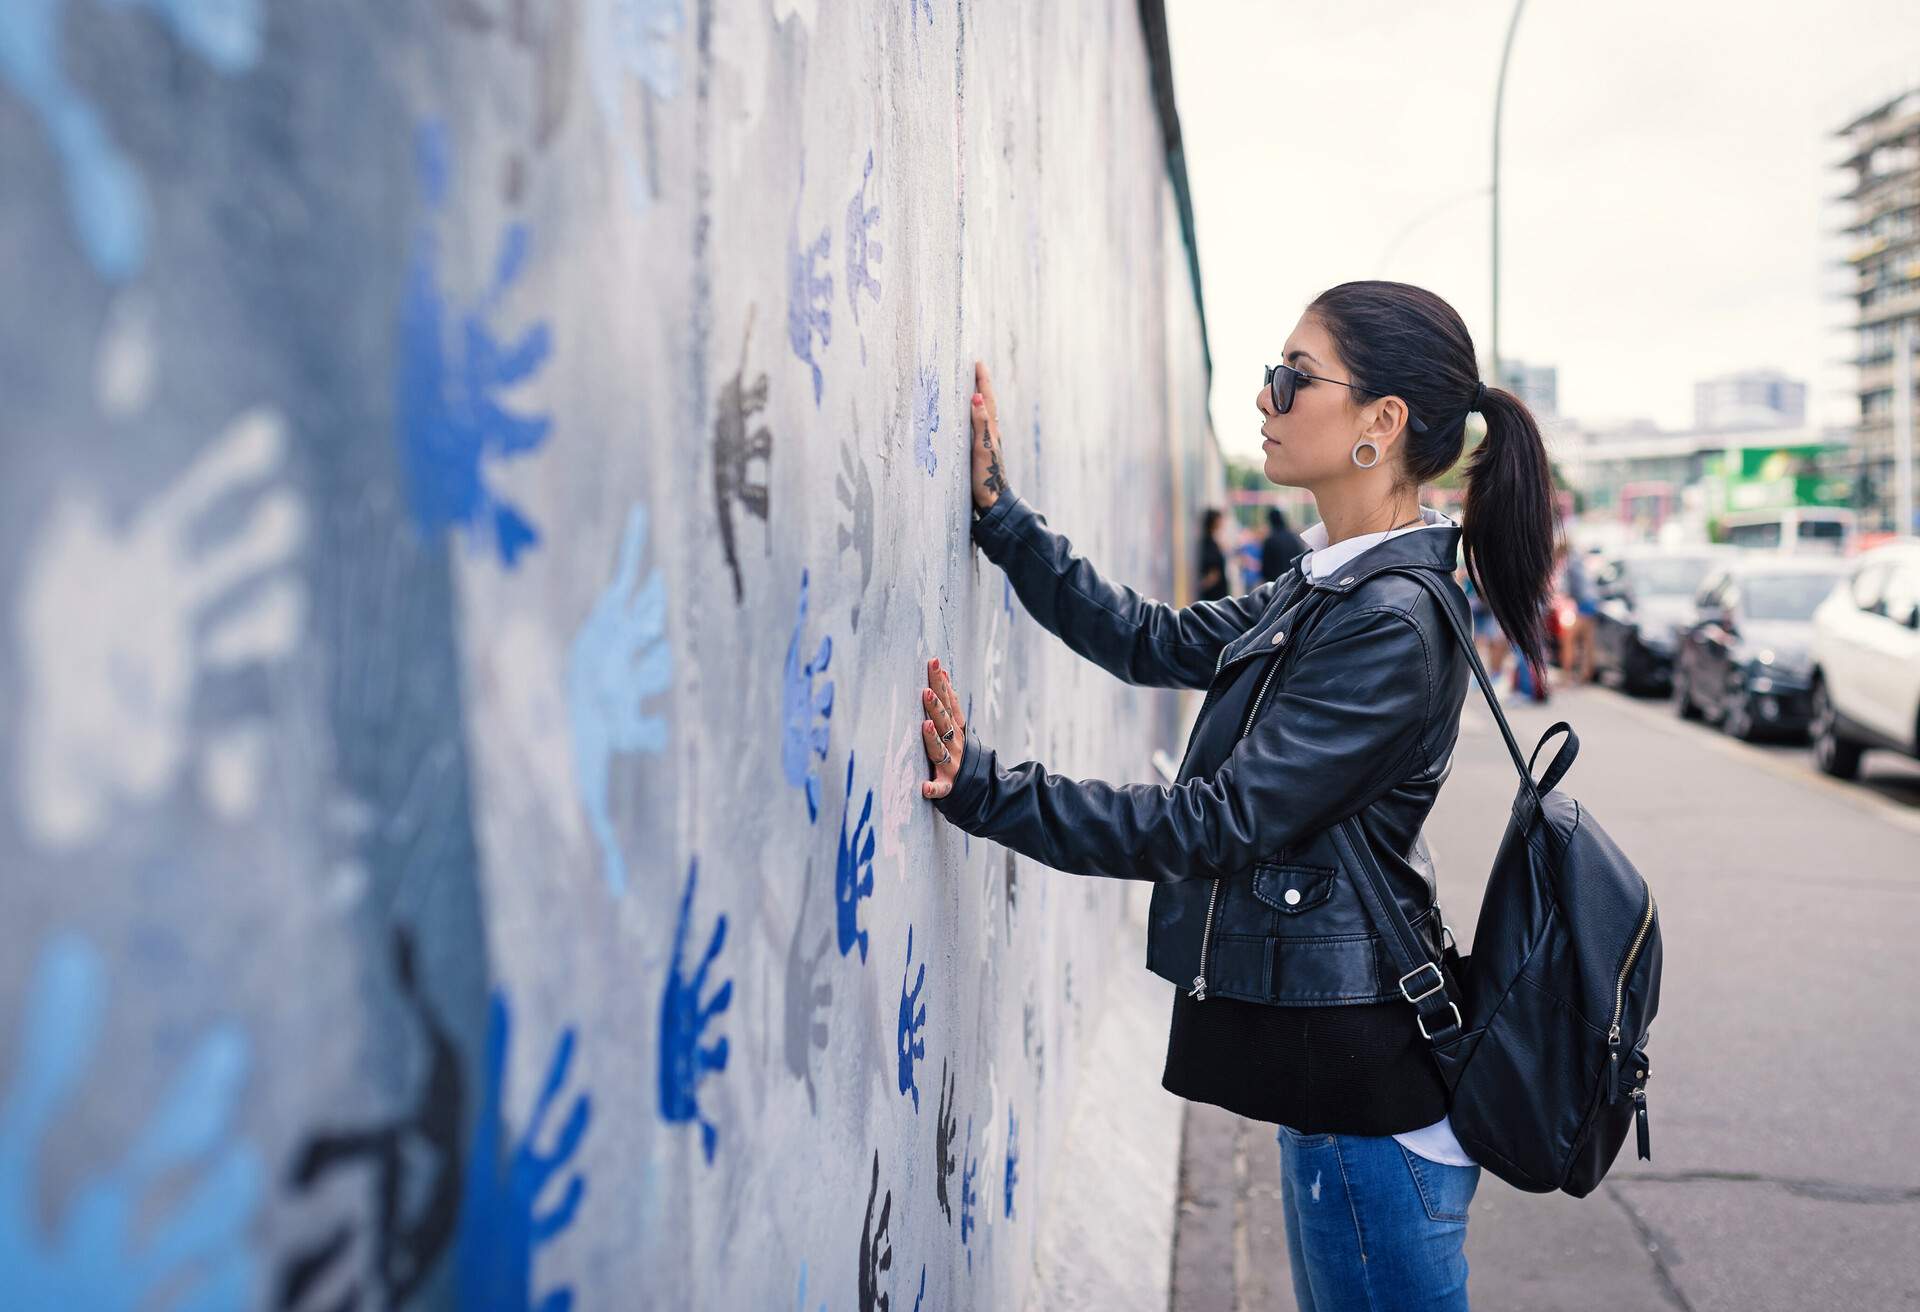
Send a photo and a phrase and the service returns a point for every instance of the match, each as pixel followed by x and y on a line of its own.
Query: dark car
pixel 1746 662
pixel 1646 603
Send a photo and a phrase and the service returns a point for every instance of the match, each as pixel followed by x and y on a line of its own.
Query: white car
pixel 1866 661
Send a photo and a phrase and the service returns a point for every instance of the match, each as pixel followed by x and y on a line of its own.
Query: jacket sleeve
pixel 1133 638
pixel 1345 729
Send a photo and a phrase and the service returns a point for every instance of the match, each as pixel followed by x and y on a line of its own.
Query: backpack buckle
pixel 1421 1021
pixel 1439 983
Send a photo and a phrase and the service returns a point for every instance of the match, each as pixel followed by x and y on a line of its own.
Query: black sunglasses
pixel 1283 380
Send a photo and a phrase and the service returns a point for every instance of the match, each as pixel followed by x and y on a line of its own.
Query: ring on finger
pixel 947 737
pixel 945 756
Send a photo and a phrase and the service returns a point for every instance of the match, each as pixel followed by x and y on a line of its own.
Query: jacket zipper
pixel 1199 990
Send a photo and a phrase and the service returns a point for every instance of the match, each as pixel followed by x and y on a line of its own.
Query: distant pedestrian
pixel 1576 639
pixel 1281 548
pixel 1213 561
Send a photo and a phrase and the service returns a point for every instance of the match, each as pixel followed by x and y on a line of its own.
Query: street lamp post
pixel 1499 95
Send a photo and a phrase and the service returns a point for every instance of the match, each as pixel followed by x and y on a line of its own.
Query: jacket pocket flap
pixel 1292 888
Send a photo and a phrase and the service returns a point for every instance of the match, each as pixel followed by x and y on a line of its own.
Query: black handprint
pixel 415 1159
pixel 945 1127
pixel 874 1258
pixel 807 998
pixel 734 449
pixel 855 490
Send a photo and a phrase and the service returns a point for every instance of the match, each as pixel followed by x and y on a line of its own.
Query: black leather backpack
pixel 1540 1035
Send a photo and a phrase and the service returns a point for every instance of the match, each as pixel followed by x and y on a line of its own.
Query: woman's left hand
pixel 944 733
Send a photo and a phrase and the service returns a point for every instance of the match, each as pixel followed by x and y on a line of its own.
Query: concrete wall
pixel 482 478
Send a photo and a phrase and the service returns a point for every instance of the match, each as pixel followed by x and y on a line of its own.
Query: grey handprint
pixel 734 451
pixel 855 490
pixel 808 997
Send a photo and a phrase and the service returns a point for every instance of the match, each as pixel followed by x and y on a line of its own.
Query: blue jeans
pixel 1373 1227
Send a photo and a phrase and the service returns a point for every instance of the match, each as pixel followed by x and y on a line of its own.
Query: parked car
pixel 1646 602
pixel 1866 661
pixel 1795 529
pixel 1746 662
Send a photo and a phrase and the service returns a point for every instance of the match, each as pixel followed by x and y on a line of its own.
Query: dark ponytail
pixel 1509 528
pixel 1404 341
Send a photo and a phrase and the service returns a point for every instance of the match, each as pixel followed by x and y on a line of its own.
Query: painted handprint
pixel 684 1020
pixel 969 1196
pixel 452 422
pixel 1035 1044
pixel 801 740
pixel 855 490
pixel 1012 882
pixel 501 1220
pixel 633 40
pixel 926 418
pixel 807 998
pixel 619 659
pixel 876 1246
pixel 900 790
pixel 106 196
pixel 109 1252
pixel 911 1045
pixel 946 1122
pixel 862 251
pixel 913 10
pixel 735 449
pixel 414 1172
pixel 800 1303
pixel 853 870
pixel 120 621
pixel 546 36
pixel 996 663
pixel 1013 1159
pixel 809 292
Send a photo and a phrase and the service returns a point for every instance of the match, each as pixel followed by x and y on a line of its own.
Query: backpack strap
pixel 1422 982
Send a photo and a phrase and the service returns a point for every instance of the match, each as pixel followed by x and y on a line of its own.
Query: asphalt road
pixel 1785 1096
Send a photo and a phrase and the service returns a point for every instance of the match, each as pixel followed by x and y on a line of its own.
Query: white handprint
pixel 901 786
pixel 116 624
pixel 996 664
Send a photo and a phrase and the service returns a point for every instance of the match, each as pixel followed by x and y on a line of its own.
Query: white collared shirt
pixel 1322 560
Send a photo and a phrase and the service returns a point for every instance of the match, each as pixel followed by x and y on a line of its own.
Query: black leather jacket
pixel 1324 700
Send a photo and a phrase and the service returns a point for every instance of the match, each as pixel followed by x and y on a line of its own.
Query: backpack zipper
pixel 1619 1003
pixel 1199 990
pixel 1626 968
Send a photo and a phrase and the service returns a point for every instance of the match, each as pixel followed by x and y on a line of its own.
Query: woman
pixel 1334 692
pixel 1213 561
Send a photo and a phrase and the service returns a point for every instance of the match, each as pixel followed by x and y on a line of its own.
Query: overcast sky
pixel 1667 172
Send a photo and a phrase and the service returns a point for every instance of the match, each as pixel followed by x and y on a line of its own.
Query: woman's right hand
pixel 989 476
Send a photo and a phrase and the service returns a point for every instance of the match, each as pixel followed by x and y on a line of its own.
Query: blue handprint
pixel 969 1196
pixel 862 251
pixel 911 1049
pixel 801 1302
pixel 105 193
pixel 809 292
pixel 684 1020
pixel 451 419
pixel 800 737
pixel 618 660
pixel 109 1254
pixel 1013 1159
pixel 500 1221
pixel 926 419
pixel 853 871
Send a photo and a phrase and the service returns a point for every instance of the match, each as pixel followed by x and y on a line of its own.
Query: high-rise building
pixel 1536 384
pixel 1754 398
pixel 1883 158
